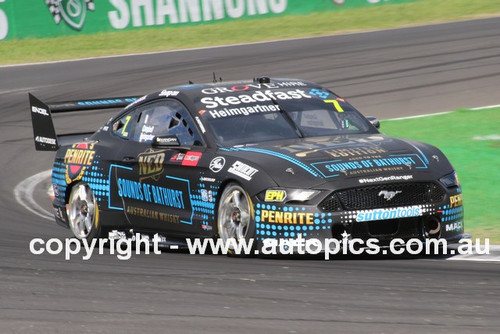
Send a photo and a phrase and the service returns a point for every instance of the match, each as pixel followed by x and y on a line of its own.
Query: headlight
pixel 289 195
pixel 450 180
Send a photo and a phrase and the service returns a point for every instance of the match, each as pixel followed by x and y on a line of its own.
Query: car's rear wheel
pixel 83 212
pixel 235 216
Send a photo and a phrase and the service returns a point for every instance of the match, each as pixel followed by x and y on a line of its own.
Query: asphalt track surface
pixel 388 74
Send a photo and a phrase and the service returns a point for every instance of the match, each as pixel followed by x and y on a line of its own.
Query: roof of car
pixel 221 87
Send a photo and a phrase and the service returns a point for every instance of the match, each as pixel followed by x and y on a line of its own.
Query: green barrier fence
pixel 49 18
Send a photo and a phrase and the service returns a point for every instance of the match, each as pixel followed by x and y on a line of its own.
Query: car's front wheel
pixel 235 219
pixel 83 212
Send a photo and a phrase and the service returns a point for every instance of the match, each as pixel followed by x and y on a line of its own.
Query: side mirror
pixel 374 121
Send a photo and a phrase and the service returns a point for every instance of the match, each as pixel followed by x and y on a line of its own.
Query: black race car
pixel 263 159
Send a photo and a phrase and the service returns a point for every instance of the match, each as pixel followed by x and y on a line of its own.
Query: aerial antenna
pixel 190 82
pixel 215 78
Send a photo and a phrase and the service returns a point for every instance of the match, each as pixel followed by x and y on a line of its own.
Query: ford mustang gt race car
pixel 258 159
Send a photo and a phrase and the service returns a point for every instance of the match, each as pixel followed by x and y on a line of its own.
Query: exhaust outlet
pixel 431 227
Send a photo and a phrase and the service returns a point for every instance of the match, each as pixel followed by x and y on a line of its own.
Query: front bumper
pixel 441 219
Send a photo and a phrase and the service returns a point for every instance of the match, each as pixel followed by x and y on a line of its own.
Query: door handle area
pixel 129 160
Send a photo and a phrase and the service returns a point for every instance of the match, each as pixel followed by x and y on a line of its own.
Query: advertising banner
pixel 50 18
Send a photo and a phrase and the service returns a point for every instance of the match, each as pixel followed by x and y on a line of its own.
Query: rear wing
pixel 44 133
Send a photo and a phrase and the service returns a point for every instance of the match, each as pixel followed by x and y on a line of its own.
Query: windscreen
pixel 258 116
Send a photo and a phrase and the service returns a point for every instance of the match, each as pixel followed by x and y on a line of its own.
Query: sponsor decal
pixel 168 197
pixel 217 164
pixel 139 13
pixel 172 196
pixel 207 179
pixel 206 227
pixel 40 111
pixel 386 178
pixel 242 170
pixel 191 159
pixel 384 214
pixel 392 163
pixel 178 157
pixel 151 164
pixel 355 152
pixel 252 86
pixel 275 195
pixel 245 111
pixel 454 227
pixel 167 140
pixel 73 12
pixel 45 140
pixel 322 94
pixel 105 102
pixel 388 195
pixel 152 214
pixel 281 217
pixel 136 101
pixel 207 195
pixel 4 24
pixel 255 97
pixel 167 93
pixel 455 201
pixel 77 159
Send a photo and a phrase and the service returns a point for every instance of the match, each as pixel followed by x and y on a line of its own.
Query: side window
pixel 160 118
pixel 122 127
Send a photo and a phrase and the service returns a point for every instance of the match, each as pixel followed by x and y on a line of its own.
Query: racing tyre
pixel 235 219
pixel 83 212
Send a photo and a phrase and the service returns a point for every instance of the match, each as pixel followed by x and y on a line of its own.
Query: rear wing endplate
pixel 44 133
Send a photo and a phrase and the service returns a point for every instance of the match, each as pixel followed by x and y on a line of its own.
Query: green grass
pixel 476 161
pixel 169 38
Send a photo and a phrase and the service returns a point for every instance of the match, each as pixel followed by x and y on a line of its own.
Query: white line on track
pixel 487 107
pixel 440 113
pixel 23 193
pixel 494 256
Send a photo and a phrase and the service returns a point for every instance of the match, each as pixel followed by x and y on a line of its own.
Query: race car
pixel 258 159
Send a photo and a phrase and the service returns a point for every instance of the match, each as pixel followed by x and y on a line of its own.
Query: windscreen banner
pixel 50 18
